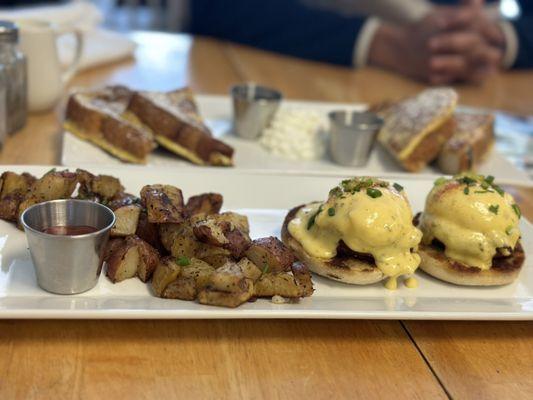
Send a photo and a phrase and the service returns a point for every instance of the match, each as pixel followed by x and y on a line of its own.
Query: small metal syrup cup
pixel 253 108
pixel 352 136
pixel 67 264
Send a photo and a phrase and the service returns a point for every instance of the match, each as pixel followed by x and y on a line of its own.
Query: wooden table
pixel 262 359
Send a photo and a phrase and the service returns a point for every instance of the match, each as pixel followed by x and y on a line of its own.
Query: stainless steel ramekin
pixel 67 264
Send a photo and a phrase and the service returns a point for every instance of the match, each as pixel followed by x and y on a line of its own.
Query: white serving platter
pixel 249 155
pixel 264 198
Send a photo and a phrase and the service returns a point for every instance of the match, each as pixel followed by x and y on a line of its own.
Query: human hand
pixel 449 44
pixel 470 49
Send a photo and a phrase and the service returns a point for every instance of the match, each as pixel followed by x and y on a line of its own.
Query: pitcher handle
pixel 70 70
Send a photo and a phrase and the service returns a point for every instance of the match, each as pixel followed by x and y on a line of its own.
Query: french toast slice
pixel 174 119
pixel 97 116
pixel 470 143
pixel 416 128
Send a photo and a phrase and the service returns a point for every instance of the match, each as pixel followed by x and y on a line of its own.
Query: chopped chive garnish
pixel 466 190
pixel 331 211
pixel 374 193
pixel 183 261
pixel 440 181
pixel 489 179
pixel 484 185
pixel 265 268
pixel 398 187
pixel 498 189
pixel 517 210
pixel 493 208
pixel 509 229
pixel 467 180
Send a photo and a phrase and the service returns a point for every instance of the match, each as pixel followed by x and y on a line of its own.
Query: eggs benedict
pixel 362 234
pixel 471 232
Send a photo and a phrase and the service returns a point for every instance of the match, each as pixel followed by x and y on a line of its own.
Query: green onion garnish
pixel 440 181
pixel 331 211
pixel 183 261
pixel 466 190
pixel 374 193
pixel 517 210
pixel 493 208
pixel 489 179
pixel 398 187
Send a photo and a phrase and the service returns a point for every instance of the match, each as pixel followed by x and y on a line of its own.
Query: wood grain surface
pixel 261 359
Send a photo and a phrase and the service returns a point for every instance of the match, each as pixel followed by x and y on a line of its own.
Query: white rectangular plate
pixel 264 198
pixel 249 155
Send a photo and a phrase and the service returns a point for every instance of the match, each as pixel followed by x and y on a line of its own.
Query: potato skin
pixel 54 185
pixel 123 262
pixel 9 206
pixel 181 288
pixel 205 203
pixel 270 255
pixel 11 182
pixel 148 258
pixel 281 284
pixel 221 233
pixel 164 203
pixel 219 298
pixel 149 232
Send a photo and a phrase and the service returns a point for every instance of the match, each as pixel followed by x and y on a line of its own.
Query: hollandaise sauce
pixel 375 220
pixel 472 217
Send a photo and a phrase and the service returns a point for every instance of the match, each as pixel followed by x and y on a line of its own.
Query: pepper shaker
pixel 13 63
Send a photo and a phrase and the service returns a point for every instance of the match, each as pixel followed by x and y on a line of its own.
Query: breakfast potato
pixel 182 288
pixel 303 278
pixel 149 232
pixel 270 255
pixel 102 187
pixel 213 255
pixel 185 245
pixel 281 284
pixel 123 261
pixel 219 298
pixel 126 220
pixel 148 258
pixel 221 233
pixel 164 203
pixel 167 270
pixel 249 269
pixel 198 270
pixel 112 245
pixel 9 206
pixel 228 278
pixel 206 203
pixel 106 186
pixel 11 182
pixel 54 185
pixel 238 220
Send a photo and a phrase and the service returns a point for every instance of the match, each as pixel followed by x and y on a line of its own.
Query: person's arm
pixel 284 26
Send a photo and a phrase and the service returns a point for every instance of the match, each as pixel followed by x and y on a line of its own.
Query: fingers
pixel 452 18
pixel 454 42
pixel 448 65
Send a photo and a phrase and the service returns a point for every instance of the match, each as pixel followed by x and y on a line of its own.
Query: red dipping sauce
pixel 69 230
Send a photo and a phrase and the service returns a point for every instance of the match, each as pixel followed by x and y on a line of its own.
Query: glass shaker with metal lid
pixel 13 64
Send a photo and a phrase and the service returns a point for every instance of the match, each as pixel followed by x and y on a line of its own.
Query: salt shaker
pixel 13 63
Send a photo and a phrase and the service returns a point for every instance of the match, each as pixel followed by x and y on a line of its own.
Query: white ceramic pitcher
pixel 46 76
